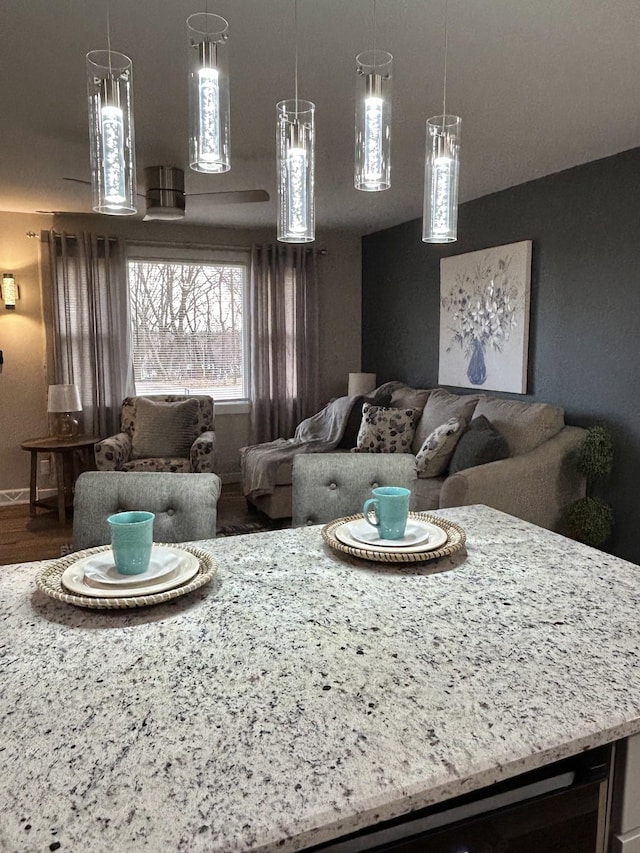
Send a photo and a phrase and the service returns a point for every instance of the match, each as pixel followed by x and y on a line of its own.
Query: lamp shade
pixel 64 398
pixel 361 383
pixel 9 291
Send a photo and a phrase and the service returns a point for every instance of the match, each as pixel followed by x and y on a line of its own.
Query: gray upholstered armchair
pixel 185 505
pixel 332 485
pixel 162 433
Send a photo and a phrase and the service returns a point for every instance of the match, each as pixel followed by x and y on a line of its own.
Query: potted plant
pixel 590 519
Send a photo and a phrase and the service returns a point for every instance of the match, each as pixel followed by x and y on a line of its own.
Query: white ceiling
pixel 541 85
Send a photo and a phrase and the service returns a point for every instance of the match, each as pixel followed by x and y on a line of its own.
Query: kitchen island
pixel 304 694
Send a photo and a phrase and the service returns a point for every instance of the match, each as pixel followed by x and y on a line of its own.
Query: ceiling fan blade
pixel 217 197
pixel 64 212
pixel 235 196
pixel 77 181
pixel 88 184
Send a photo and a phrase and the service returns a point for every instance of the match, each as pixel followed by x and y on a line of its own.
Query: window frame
pixel 203 254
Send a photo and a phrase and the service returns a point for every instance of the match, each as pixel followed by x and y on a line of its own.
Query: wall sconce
pixel 9 291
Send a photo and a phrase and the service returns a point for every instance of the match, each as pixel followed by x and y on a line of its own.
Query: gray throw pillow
pixel 440 406
pixel 479 443
pixel 164 429
pixel 437 449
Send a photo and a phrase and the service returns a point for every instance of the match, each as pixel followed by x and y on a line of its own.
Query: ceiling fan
pixel 165 195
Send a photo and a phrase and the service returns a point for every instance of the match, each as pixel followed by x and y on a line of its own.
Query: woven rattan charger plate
pixel 456 539
pixel 49 581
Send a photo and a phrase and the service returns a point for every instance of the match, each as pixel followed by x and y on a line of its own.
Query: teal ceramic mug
pixel 131 541
pixel 389 507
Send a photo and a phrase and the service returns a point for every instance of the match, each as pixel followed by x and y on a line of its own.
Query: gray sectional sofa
pixel 536 482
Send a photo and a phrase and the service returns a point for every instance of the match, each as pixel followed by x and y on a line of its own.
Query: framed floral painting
pixel 484 318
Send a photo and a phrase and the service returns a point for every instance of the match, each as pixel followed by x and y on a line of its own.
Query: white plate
pixel 429 538
pixel 186 567
pixel 415 533
pixel 101 568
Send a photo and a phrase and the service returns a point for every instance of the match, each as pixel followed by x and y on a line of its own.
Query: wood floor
pixel 23 538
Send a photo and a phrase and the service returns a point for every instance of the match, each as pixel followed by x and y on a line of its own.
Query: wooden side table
pixel 71 456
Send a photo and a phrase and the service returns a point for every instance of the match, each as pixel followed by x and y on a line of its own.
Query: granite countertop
pixel 304 694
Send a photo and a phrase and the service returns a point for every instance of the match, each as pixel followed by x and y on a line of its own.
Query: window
pixel 188 318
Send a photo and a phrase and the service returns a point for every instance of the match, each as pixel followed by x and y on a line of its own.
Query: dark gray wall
pixel 585 305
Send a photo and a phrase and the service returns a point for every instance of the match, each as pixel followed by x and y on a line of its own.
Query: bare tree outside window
pixel 187 328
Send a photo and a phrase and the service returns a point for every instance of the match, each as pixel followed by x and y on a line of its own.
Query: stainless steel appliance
pixel 561 808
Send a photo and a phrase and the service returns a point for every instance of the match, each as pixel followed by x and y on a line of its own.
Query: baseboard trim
pixel 9 497
pixel 14 496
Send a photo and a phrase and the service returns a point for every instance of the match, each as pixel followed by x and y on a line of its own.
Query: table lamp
pixel 361 384
pixel 64 399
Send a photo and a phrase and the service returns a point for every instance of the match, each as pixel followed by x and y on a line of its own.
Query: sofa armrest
pixel 111 453
pixel 536 486
pixel 203 453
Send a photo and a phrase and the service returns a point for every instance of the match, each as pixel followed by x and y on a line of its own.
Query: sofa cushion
pixel 164 429
pixel 426 493
pixel 167 464
pixel 206 411
pixel 524 425
pixel 406 397
pixel 439 408
pixel 386 430
pixel 433 457
pixel 284 471
pixel 480 443
pixel 350 436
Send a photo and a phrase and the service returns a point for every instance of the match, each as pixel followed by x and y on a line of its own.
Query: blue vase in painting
pixel 477 370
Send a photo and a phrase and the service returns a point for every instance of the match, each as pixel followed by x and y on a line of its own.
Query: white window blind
pixel 188 327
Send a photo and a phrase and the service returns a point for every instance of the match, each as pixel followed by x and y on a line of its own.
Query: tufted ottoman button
pixel 332 486
pixel 310 522
pixel 375 485
pixel 171 512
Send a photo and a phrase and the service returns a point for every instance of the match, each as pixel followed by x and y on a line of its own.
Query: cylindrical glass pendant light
pixel 111 135
pixel 372 171
pixel 295 140
pixel 442 168
pixel 209 118
pixel 441 173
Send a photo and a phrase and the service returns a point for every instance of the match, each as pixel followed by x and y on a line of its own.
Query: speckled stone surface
pixel 304 694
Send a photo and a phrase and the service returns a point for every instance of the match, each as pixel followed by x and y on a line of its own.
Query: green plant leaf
pixel 589 520
pixel 594 457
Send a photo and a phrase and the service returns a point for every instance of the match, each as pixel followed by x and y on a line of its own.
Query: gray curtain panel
pixel 88 328
pixel 284 339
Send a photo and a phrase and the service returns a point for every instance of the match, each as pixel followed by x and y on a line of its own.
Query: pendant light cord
pixel 109 39
pixel 295 27
pixel 374 26
pixel 446 46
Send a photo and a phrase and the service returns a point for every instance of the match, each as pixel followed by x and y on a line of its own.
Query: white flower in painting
pixel 483 307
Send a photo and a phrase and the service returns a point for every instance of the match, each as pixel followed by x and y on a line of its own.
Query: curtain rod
pixel 190 245
pixel 320 251
pixel 44 236
pixel 217 246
